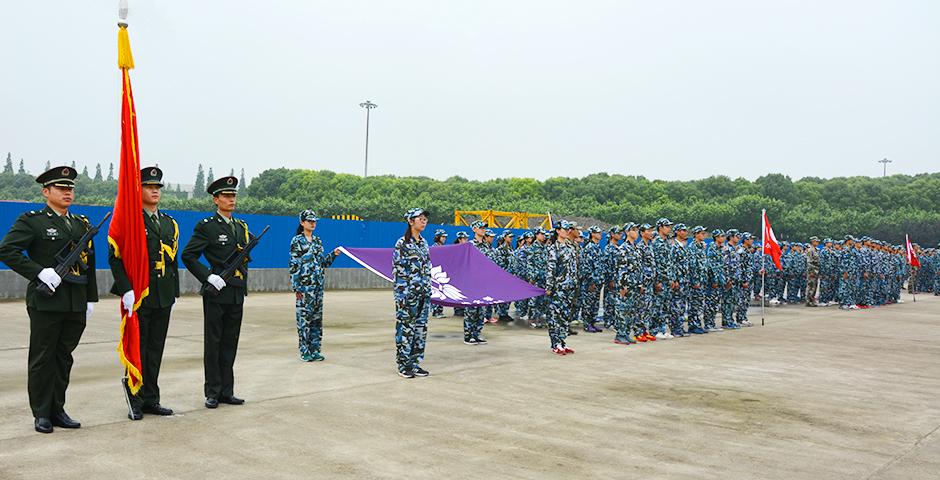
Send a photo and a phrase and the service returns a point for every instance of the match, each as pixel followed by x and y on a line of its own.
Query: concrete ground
pixel 815 394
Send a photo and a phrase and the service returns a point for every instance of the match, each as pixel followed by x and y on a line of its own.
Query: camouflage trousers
pixel 812 280
pixel 437 310
pixel 561 310
pixel 522 307
pixel 309 312
pixel 661 303
pixel 643 307
pixel 411 330
pixel 590 303
pixel 611 302
pixel 827 290
pixel 678 302
pixel 473 318
pixel 742 301
pixel 502 309
pixel 712 299
pixel 793 290
pixel 696 306
pixel 847 292
pixel 538 306
pixel 912 279
pixel 625 313
pixel 728 303
pixel 867 290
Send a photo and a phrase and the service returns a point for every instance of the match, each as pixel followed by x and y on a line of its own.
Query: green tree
pixel 22 168
pixel 111 172
pixel 210 177
pixel 200 184
pixel 8 167
pixel 98 173
pixel 48 166
pixel 85 171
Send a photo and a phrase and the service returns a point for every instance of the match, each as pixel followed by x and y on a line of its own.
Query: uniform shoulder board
pixel 206 220
pixel 162 214
pixel 31 213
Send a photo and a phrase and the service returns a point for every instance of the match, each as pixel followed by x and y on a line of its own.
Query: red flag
pixel 911 256
pixel 769 241
pixel 126 234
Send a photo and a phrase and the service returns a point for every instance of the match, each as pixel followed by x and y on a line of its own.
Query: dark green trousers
pixel 223 323
pixel 154 323
pixel 53 337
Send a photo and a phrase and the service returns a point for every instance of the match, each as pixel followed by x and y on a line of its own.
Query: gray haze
pixel 481 89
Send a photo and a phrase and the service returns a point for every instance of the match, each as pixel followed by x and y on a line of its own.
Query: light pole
pixel 368 105
pixel 885 162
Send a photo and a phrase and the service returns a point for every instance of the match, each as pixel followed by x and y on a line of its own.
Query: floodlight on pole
pixel 368 105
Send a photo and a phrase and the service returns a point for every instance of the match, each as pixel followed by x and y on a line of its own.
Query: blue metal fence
pixel 272 252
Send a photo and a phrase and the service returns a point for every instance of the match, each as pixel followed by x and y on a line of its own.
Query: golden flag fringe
pixel 125 57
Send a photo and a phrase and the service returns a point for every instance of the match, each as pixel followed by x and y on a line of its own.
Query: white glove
pixel 89 309
pixel 50 278
pixel 128 301
pixel 216 281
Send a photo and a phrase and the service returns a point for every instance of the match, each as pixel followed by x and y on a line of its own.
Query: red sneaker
pixel 641 337
pixel 559 351
pixel 568 350
pixel 651 338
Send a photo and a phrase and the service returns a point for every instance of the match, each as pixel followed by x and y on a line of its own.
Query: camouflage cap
pixel 827 240
pixel 594 229
pixel 663 222
pixel 681 226
pixel 732 232
pixel 629 226
pixel 697 229
pixel 478 224
pixel 848 238
pixel 528 234
pixel 746 236
pixel 562 224
pixel 440 232
pixel 462 234
pixel 489 233
pixel 718 233
pixel 415 213
pixel 814 238
pixel 507 233
pixel 614 230
pixel 308 215
pixel 645 227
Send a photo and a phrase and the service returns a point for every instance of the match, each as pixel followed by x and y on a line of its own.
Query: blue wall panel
pixel 272 252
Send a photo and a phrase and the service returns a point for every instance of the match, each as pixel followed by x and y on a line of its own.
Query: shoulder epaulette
pixel 32 213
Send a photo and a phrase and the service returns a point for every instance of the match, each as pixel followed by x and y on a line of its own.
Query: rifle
pixel 232 264
pixel 67 262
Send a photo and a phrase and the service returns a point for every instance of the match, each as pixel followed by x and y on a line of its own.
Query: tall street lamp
pixel 368 105
pixel 885 162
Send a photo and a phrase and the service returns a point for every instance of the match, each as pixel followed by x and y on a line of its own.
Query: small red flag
pixel 769 241
pixel 911 256
pixel 126 234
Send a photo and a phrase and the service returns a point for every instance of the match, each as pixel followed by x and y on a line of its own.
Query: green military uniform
pixel 56 324
pixel 217 239
pixel 153 315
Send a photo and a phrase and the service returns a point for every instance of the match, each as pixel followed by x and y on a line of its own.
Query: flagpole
pixel 763 270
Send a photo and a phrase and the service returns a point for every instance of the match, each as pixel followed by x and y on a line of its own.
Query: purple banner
pixel 460 275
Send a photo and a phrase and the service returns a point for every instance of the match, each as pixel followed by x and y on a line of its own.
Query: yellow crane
pixel 495 218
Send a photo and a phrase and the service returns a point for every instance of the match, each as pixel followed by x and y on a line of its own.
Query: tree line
pixel 885 208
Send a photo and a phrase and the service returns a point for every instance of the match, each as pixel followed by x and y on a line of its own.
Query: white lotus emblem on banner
pixel 441 288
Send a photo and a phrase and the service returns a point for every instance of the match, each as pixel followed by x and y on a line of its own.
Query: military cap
pixel 308 215
pixel 746 236
pixel 848 237
pixel 594 229
pixel 507 233
pixel 462 234
pixel 223 185
pixel 151 176
pixel 478 224
pixel 440 232
pixel 681 226
pixel 645 227
pixel 614 229
pixel 541 230
pixel 663 222
pixel 629 225
pixel 732 232
pixel 528 234
pixel 415 213
pixel 697 229
pixel 58 177
pixel 827 240
pixel 562 224
pixel 574 224
pixel 717 233
pixel 814 237
pixel 489 233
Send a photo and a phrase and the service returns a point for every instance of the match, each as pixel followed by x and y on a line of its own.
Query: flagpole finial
pixel 125 58
pixel 122 11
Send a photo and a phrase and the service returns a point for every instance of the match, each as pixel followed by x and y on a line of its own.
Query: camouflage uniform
pixel 503 258
pixel 591 274
pixel 715 282
pixel 440 239
pixel 474 317
pixel 827 274
pixel 813 267
pixel 742 284
pixel 612 257
pixel 732 266
pixel 849 270
pixel 519 268
pixel 308 262
pixel 629 277
pixel 662 252
pixel 562 285
pixel 537 274
pixel 679 297
pixel 643 322
pixel 411 267
pixel 698 279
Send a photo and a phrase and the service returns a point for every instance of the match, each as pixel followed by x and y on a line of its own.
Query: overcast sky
pixel 481 89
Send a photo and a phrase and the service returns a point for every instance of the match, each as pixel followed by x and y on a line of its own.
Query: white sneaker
pixel 668 336
pixel 661 336
pixel 853 307
pixel 713 329
pixel 899 301
pixel 746 323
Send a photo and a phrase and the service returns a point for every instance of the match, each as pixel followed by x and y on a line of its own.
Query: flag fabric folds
pixel 126 234
pixel 769 241
pixel 461 276
pixel 911 256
